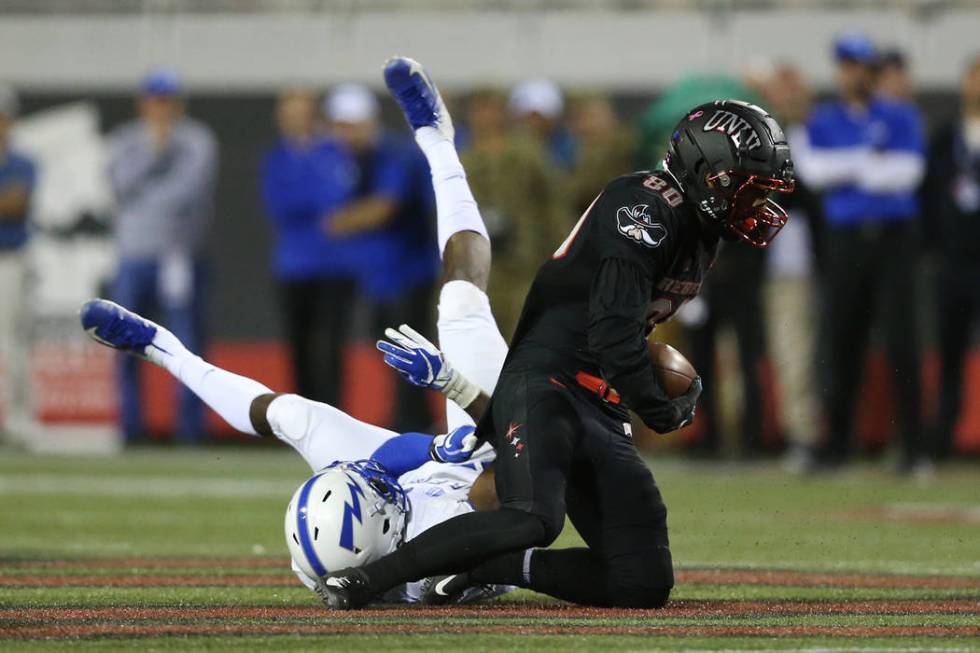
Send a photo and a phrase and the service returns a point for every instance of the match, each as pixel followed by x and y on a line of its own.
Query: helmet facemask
pixel 752 215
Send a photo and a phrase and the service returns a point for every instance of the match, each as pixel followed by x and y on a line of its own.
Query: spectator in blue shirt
pixel 17 179
pixel 866 154
pixel 305 177
pixel 162 167
pixel 386 227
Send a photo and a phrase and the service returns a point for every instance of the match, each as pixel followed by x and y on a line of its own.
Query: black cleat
pixel 440 590
pixel 347 589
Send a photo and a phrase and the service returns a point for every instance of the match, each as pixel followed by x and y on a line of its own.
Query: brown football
pixel 674 372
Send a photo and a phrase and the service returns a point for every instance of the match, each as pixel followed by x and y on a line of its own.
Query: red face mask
pixel 753 216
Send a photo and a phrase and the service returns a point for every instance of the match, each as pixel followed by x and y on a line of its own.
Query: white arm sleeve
pixel 821 168
pixel 892 172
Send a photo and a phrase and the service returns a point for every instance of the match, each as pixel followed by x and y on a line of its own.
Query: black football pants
pixel 558 451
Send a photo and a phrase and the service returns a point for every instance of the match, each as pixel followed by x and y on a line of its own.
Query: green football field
pixel 183 549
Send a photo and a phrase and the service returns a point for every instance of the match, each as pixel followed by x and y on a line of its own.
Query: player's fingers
pixel 389 348
pixel 418 337
pixel 400 338
pixel 399 364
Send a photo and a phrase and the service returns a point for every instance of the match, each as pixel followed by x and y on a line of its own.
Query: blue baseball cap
pixel 856 47
pixel 161 83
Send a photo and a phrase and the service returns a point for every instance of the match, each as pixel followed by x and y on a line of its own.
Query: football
pixel 674 372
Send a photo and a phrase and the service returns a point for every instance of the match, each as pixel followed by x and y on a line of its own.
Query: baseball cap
pixel 350 103
pixel 160 82
pixel 856 47
pixel 8 100
pixel 540 96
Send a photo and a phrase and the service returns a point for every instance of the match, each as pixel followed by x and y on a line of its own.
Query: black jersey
pixel 635 256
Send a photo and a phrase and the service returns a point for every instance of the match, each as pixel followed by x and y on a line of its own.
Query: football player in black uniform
pixel 558 418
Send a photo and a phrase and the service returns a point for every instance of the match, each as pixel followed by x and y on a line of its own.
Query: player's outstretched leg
pixel 463 240
pixel 229 395
pixel 319 432
pixel 468 333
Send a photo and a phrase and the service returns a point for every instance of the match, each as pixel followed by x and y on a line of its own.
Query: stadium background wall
pixel 243 323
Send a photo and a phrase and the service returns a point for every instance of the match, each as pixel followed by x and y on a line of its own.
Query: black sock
pixel 507 569
pixel 456 545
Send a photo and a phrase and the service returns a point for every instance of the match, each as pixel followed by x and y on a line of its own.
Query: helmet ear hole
pixel 386 527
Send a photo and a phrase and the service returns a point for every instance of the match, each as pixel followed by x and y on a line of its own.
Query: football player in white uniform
pixel 387 487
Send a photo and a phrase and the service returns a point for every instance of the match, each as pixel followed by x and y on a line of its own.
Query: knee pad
pixel 289 417
pixel 460 300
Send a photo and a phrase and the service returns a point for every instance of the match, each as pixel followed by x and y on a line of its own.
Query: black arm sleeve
pixel 617 324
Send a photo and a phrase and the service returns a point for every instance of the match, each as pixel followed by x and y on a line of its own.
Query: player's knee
pixel 289 417
pixel 526 528
pixel 461 299
pixel 641 580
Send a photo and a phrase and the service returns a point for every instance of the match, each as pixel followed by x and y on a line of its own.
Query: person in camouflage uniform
pixel 606 149
pixel 519 200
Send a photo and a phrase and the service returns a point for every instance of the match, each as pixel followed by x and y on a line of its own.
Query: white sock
pixel 226 393
pixel 456 209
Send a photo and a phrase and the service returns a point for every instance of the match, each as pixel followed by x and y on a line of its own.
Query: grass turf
pixel 227 504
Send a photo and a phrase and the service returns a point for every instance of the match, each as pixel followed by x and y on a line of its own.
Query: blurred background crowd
pixel 853 331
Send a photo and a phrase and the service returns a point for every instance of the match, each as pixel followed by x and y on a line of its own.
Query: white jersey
pixel 436 492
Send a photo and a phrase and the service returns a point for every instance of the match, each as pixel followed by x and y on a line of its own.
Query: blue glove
pixel 455 446
pixel 422 364
pixel 415 358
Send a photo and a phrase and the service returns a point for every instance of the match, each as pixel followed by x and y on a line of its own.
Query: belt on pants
pixel 598 386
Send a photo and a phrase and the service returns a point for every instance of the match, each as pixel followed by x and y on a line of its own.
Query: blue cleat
pixel 417 95
pixel 113 326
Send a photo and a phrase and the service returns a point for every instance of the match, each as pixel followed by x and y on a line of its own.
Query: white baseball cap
pixel 8 100
pixel 350 103
pixel 537 96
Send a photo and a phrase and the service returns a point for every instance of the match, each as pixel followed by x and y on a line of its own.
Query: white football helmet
pixel 346 515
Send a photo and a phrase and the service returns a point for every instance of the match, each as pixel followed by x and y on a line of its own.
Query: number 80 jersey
pixel 637 253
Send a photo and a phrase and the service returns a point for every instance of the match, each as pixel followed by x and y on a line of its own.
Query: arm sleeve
pixel 900 165
pixel 617 326
pixel 403 453
pixel 618 301
pixel 820 164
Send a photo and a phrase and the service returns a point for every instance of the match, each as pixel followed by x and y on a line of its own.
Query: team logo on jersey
pixel 635 223
pixel 737 128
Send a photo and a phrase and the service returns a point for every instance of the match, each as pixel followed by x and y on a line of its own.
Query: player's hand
pixel 687 403
pixel 415 358
pixel 421 363
pixel 455 446
pixel 681 411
